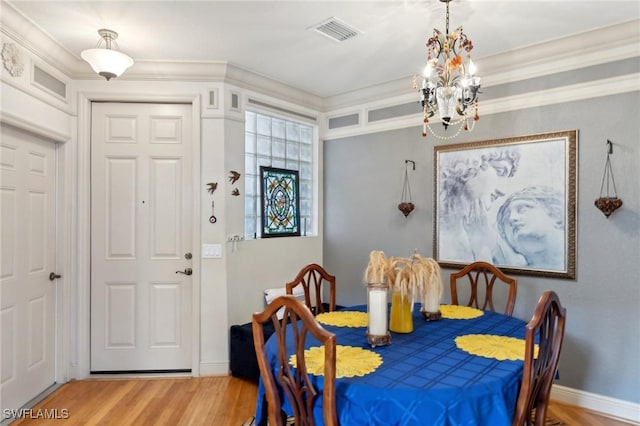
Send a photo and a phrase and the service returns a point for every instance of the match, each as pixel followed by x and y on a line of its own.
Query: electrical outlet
pixel 211 251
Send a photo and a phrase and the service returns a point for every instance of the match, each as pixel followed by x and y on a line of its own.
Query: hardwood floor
pixel 211 400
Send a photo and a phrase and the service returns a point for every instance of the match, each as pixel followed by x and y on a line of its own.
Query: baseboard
pixel 214 368
pixel 611 407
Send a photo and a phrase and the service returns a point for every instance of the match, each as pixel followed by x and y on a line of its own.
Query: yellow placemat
pixel 491 346
pixel 459 312
pixel 344 318
pixel 350 361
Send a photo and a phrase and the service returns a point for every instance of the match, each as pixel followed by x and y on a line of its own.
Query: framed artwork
pixel 280 202
pixel 510 202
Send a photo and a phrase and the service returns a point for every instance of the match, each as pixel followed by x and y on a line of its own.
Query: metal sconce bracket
pixel 406 205
pixel 607 203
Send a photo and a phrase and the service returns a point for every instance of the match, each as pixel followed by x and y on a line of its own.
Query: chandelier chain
pixel 446 27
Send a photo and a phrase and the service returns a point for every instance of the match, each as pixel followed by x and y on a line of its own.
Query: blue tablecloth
pixel 424 378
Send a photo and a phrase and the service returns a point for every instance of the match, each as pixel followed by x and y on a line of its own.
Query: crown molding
pixel 602 45
pixel 594 47
pixel 598 46
pixel 16 26
pixel 19 28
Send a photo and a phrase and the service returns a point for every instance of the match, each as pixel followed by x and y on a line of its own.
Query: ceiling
pixel 271 38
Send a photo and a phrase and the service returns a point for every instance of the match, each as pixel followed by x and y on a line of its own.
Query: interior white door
pixel 141 209
pixel 27 296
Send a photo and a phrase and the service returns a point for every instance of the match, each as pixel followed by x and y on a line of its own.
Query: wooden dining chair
pixel 298 322
pixel 479 273
pixel 546 328
pixel 312 278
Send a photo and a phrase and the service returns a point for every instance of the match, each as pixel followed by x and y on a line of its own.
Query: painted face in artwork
pixel 530 226
pixel 532 223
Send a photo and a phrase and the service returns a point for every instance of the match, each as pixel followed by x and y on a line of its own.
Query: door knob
pixel 53 276
pixel 187 271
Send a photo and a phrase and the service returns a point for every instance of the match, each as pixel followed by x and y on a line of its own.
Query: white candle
pixel 432 303
pixel 378 312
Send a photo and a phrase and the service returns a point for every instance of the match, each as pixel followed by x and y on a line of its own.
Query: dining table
pixel 463 369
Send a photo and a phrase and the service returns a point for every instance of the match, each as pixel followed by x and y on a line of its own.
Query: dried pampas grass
pixel 415 276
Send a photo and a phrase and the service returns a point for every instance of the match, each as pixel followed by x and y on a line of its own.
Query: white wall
pixel 226 290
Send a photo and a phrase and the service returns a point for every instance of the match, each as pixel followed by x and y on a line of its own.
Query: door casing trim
pixel 79 360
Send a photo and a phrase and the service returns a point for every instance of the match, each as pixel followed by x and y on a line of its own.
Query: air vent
pixel 48 82
pixel 335 29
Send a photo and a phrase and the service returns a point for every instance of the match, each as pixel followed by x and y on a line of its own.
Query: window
pixel 277 142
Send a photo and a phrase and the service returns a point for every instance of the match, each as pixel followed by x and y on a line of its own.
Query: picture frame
pixel 279 202
pixel 510 202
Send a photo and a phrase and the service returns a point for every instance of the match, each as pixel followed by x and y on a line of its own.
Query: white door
pixel 141 209
pixel 27 296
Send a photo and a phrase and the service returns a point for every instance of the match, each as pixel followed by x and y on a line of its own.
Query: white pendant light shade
pixel 105 61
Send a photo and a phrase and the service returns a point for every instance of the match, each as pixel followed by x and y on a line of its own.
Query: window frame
pixel 309 216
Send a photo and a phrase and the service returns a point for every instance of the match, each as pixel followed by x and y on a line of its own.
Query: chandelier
pixel 450 85
pixel 107 62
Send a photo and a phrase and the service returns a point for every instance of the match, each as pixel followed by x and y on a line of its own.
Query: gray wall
pixel 363 178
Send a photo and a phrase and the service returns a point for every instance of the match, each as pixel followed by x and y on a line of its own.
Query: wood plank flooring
pixel 210 400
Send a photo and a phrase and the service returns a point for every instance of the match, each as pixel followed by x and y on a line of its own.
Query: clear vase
pixel 401 319
pixel 377 310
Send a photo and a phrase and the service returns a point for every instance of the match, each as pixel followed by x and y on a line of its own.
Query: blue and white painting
pixel 506 202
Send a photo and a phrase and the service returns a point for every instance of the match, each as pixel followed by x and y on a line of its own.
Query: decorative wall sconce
pixel 406 206
pixel 608 203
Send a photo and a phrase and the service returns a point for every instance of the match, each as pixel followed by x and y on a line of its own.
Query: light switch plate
pixel 211 251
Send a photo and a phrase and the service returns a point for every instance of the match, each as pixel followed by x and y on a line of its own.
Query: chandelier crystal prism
pixel 107 62
pixel 450 85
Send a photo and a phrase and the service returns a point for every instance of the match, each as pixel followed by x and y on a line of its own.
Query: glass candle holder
pixel 431 307
pixel 377 330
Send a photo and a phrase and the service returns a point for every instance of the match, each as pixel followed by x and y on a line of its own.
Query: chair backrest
pixel 487 274
pixel 291 332
pixel 312 277
pixel 546 328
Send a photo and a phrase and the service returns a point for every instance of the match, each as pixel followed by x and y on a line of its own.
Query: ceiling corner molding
pixel 174 70
pixel 247 79
pixel 15 25
pixel 607 44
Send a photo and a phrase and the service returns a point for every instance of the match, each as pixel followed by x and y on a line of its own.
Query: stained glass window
pixel 282 143
pixel 280 205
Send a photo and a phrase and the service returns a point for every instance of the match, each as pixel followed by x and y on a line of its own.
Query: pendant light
pixel 106 61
